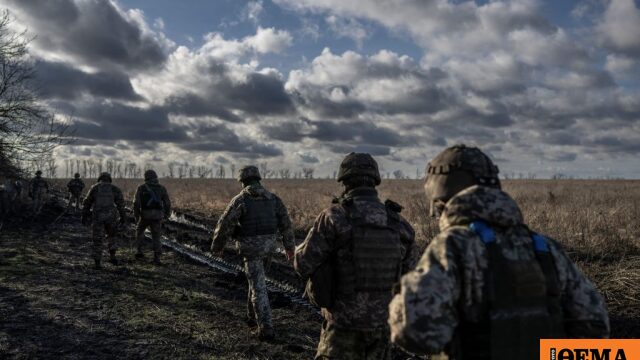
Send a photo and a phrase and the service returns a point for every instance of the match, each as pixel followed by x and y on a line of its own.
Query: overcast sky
pixel 544 87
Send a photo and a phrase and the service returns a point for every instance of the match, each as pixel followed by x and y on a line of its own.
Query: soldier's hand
pixel 290 254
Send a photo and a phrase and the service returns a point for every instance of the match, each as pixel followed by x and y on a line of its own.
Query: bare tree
pixel 232 169
pixel 308 172
pixel 221 173
pixel 398 174
pixel 27 129
pixel 202 172
pixel 285 173
pixel 171 168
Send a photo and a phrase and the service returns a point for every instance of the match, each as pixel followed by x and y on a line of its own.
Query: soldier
pixel 99 208
pixel 38 189
pixel 150 206
pixel 253 218
pixel 8 197
pixel 367 245
pixel 488 287
pixel 75 187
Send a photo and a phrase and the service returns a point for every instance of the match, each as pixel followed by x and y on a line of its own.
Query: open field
pixel 597 221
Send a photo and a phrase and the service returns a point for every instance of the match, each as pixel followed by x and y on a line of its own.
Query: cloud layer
pixel 538 96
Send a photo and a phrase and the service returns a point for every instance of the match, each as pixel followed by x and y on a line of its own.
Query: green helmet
pixel 249 172
pixel 105 176
pixel 76 175
pixel 150 175
pixel 455 169
pixel 359 164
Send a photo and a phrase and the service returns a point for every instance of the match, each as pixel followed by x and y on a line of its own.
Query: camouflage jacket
pixel 38 185
pixel 254 246
pixel 332 231
pixel 102 213
pixel 447 284
pixel 161 193
pixel 75 186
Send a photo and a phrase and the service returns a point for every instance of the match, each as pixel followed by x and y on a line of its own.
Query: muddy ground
pixel 53 304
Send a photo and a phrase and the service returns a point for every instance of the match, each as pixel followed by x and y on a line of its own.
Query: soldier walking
pixel 75 187
pixel 366 245
pixel 150 206
pixel 254 218
pixel 38 189
pixel 100 209
pixel 488 287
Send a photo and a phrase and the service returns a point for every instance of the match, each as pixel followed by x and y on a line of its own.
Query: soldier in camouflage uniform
pixel 368 246
pixel 150 206
pixel 488 287
pixel 75 187
pixel 38 189
pixel 254 218
pixel 101 207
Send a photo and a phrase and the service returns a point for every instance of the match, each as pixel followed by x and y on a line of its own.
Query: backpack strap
pixel 484 231
pixel 154 196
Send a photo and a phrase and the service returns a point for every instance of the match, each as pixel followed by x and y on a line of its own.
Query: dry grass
pixel 598 222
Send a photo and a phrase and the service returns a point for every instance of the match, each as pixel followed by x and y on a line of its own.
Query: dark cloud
pixel 219 137
pixel 61 81
pixel 94 32
pixel 371 149
pixel 309 159
pixel 113 121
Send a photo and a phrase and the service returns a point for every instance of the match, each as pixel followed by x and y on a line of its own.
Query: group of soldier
pixel 486 287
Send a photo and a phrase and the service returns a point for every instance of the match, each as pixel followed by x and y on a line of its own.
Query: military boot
pixel 112 258
pixel 266 333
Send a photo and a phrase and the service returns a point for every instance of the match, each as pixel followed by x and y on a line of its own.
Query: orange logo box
pixel 590 349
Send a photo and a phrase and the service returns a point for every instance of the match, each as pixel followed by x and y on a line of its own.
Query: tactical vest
pixel 104 198
pixel 259 217
pixel 522 304
pixel 371 261
pixel 150 199
pixel 75 185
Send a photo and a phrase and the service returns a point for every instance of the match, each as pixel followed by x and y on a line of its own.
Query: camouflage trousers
pixel 258 299
pixel 74 198
pixel 353 344
pixel 155 226
pixel 39 198
pixel 100 228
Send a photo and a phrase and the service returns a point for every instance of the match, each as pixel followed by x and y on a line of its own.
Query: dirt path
pixel 53 304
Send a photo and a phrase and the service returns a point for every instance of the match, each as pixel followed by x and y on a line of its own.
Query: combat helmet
pixel 105 176
pixel 38 173
pixel 150 175
pixel 76 175
pixel 359 164
pixel 455 169
pixel 249 172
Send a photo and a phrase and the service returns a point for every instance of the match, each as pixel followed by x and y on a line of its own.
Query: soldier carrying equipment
pixel 253 219
pixel 75 187
pixel 487 287
pixel 100 208
pixel 151 205
pixel 353 255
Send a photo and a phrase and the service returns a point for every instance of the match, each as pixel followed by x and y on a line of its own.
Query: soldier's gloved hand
pixel 290 254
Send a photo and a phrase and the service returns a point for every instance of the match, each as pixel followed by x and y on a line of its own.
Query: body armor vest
pixel 76 185
pixel 259 217
pixel 522 305
pixel 371 261
pixel 104 197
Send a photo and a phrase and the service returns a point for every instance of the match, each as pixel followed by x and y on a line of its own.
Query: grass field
pixel 597 221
